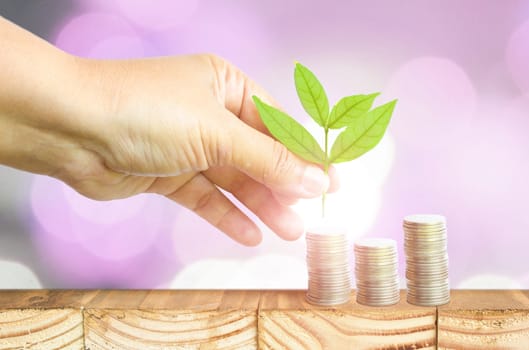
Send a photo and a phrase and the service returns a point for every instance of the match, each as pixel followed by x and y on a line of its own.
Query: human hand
pixel 182 127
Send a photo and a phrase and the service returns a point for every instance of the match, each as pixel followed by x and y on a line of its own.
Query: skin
pixel 183 127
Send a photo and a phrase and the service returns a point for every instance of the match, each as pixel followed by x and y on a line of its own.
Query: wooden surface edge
pixel 474 319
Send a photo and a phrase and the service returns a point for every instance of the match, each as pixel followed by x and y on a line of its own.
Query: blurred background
pixel 458 144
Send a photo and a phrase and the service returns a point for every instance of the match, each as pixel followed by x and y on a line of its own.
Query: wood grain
pixel 141 319
pixel 41 319
pixel 287 321
pixel 485 319
pixel 45 299
pixel 172 320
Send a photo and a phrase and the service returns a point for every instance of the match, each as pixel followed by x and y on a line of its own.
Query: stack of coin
pixel 329 269
pixel 376 269
pixel 426 260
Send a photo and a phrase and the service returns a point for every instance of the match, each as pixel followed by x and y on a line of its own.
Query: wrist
pixel 48 112
pixel 32 102
pixel 85 117
pixel 52 108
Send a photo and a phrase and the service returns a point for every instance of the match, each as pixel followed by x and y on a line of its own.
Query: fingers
pixel 167 185
pixel 285 200
pixel 270 163
pixel 257 155
pixel 204 198
pixel 260 200
pixel 335 180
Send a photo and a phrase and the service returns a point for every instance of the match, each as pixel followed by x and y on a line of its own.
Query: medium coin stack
pixel 329 269
pixel 376 270
pixel 426 260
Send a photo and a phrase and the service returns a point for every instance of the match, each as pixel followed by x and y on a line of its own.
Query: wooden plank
pixel 45 299
pixel 485 319
pixel 41 319
pixel 287 321
pixel 211 319
pixel 139 319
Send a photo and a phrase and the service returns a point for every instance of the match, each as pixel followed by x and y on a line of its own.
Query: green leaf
pixel 290 133
pixel 311 94
pixel 348 109
pixel 365 134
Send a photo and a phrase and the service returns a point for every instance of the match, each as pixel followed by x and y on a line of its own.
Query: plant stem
pixel 326 170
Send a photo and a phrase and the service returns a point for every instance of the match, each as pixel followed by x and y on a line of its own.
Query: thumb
pixel 272 164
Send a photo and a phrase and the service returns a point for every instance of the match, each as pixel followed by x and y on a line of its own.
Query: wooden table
pixel 215 319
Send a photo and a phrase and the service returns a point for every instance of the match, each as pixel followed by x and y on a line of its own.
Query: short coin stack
pixel 426 260
pixel 329 269
pixel 376 269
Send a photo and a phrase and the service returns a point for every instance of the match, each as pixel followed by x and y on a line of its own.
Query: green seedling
pixel 363 127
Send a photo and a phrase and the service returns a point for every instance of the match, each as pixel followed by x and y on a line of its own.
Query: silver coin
pixel 328 264
pixel 385 296
pixel 425 247
pixel 376 272
pixel 424 229
pixel 377 267
pixel 425 219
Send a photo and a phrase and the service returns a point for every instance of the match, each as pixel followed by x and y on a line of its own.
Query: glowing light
pixel 272 271
pixel 355 206
pixel 14 275
pixel 263 272
pixel 207 273
pixel 489 281
pixel 524 281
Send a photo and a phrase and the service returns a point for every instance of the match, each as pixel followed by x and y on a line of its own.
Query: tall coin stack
pixel 376 269
pixel 329 269
pixel 426 260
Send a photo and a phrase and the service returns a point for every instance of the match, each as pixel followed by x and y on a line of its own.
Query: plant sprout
pixel 363 127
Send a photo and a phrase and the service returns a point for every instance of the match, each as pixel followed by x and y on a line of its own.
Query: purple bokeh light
pixel 459 128
pixel 228 31
pixel 99 35
pixel 194 238
pixel 436 100
pixel 105 35
pixel 90 210
pixel 148 15
pixel 78 236
pixel 71 266
pixel 158 14
pixel 517 56
pixel 118 47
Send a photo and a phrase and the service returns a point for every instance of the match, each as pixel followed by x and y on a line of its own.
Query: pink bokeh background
pixel 458 144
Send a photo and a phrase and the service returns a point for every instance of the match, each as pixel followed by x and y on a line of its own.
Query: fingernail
pixel 315 181
pixel 251 237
